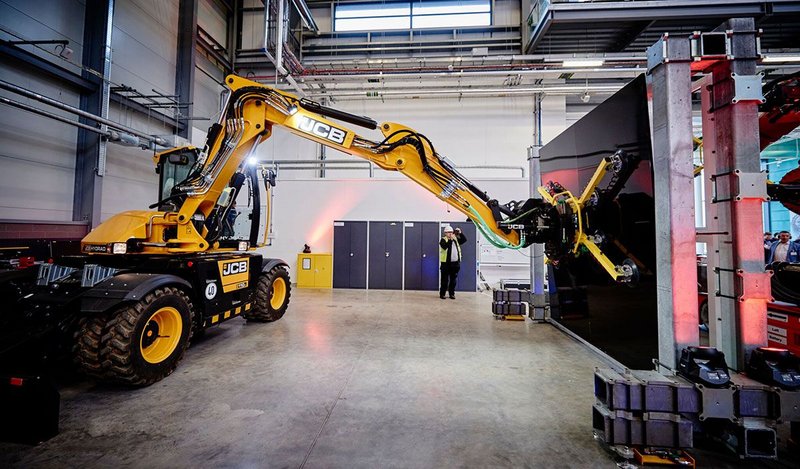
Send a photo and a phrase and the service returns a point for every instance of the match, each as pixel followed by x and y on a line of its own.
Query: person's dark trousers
pixel 449 275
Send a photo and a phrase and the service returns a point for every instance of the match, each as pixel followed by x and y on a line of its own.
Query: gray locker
pixel 385 255
pixel 422 256
pixel 350 254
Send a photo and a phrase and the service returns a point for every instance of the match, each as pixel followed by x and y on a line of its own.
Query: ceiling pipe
pixel 66 107
pixel 469 92
pixel 50 115
pixel 538 58
pixel 277 60
pixel 465 73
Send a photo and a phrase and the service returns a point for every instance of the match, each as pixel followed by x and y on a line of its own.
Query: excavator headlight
pixel 243 245
pixel 119 248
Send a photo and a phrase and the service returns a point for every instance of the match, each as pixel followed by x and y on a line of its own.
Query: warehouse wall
pixel 38 154
pixel 144 41
pixel 480 131
pixel 300 218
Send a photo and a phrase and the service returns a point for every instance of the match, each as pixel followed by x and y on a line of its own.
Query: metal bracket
pixel 717 403
pixel 666 51
pixel 750 186
pixel 747 88
pixel 755 285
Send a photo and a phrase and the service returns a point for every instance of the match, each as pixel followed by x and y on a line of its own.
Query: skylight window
pixel 416 14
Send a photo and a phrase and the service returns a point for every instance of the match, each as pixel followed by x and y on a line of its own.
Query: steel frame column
pixel 184 72
pixel 91 148
pixel 735 191
pixel 538 300
pixel 721 314
pixel 669 71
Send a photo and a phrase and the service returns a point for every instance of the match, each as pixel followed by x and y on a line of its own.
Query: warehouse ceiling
pixel 490 61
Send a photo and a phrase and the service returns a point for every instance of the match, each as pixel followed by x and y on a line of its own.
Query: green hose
pixel 491 236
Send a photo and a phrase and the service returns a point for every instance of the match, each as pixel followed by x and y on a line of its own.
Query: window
pixel 416 14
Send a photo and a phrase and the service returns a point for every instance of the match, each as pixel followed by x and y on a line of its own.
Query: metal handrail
pixel 299 165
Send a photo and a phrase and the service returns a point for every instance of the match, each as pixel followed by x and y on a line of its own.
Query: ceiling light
pixel 781 58
pixel 583 63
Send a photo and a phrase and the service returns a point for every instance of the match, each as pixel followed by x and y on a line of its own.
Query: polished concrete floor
pixel 346 379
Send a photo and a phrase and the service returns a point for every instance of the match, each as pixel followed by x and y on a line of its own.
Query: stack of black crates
pixel 510 304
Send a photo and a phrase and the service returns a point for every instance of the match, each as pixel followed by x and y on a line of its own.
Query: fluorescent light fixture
pixel 582 63
pixel 781 58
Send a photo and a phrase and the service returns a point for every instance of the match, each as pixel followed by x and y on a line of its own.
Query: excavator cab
pixel 242 211
pixel 174 166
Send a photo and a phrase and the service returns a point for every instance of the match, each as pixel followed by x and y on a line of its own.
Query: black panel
pixel 358 250
pixel 413 257
pixel 377 255
pixel 430 256
pixel 394 260
pixel 468 276
pixel 619 319
pixel 341 255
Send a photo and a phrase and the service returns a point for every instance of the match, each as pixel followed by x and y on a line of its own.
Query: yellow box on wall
pixel 314 270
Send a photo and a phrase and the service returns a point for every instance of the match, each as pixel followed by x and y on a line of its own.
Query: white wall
pixel 304 210
pixel 475 131
pixel 37 154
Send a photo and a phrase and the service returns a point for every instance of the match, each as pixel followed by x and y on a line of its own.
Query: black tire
pixel 87 344
pixel 130 327
pixel 263 309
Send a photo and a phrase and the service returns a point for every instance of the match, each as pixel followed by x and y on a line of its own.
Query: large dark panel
pixel 385 255
pixel 358 250
pixel 394 259
pixel 350 254
pixel 430 256
pixel 619 319
pixel 421 258
pixel 412 260
pixel 468 276
pixel 377 255
pixel 341 255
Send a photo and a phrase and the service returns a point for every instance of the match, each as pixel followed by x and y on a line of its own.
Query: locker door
pixel 377 255
pixel 430 256
pixel 394 256
pixel 358 254
pixel 341 255
pixel 413 257
pixel 468 276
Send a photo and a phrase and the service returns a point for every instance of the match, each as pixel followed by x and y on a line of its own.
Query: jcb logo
pixel 320 129
pixel 234 268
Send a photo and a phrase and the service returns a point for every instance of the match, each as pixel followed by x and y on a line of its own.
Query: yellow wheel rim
pixel 161 335
pixel 278 293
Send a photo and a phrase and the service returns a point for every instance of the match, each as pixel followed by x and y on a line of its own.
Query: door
pixel 468 276
pixel 421 263
pixel 350 254
pixel 386 255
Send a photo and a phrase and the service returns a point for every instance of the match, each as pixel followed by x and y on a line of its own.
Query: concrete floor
pixel 348 378
pixel 351 378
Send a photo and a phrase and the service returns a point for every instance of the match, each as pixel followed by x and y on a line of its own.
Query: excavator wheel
pixel 88 341
pixel 144 341
pixel 272 296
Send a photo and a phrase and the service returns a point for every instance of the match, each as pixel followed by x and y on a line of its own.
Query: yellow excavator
pixel 148 280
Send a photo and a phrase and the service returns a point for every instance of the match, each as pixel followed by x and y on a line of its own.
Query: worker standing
pixel 784 250
pixel 450 260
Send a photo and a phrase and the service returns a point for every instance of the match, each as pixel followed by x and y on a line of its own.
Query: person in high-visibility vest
pixel 450 259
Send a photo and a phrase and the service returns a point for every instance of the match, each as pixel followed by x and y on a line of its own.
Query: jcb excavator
pixel 148 280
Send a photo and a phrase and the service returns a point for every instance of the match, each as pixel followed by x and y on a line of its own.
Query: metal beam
pixel 185 69
pixel 738 208
pixel 91 148
pixel 17 56
pixel 668 64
